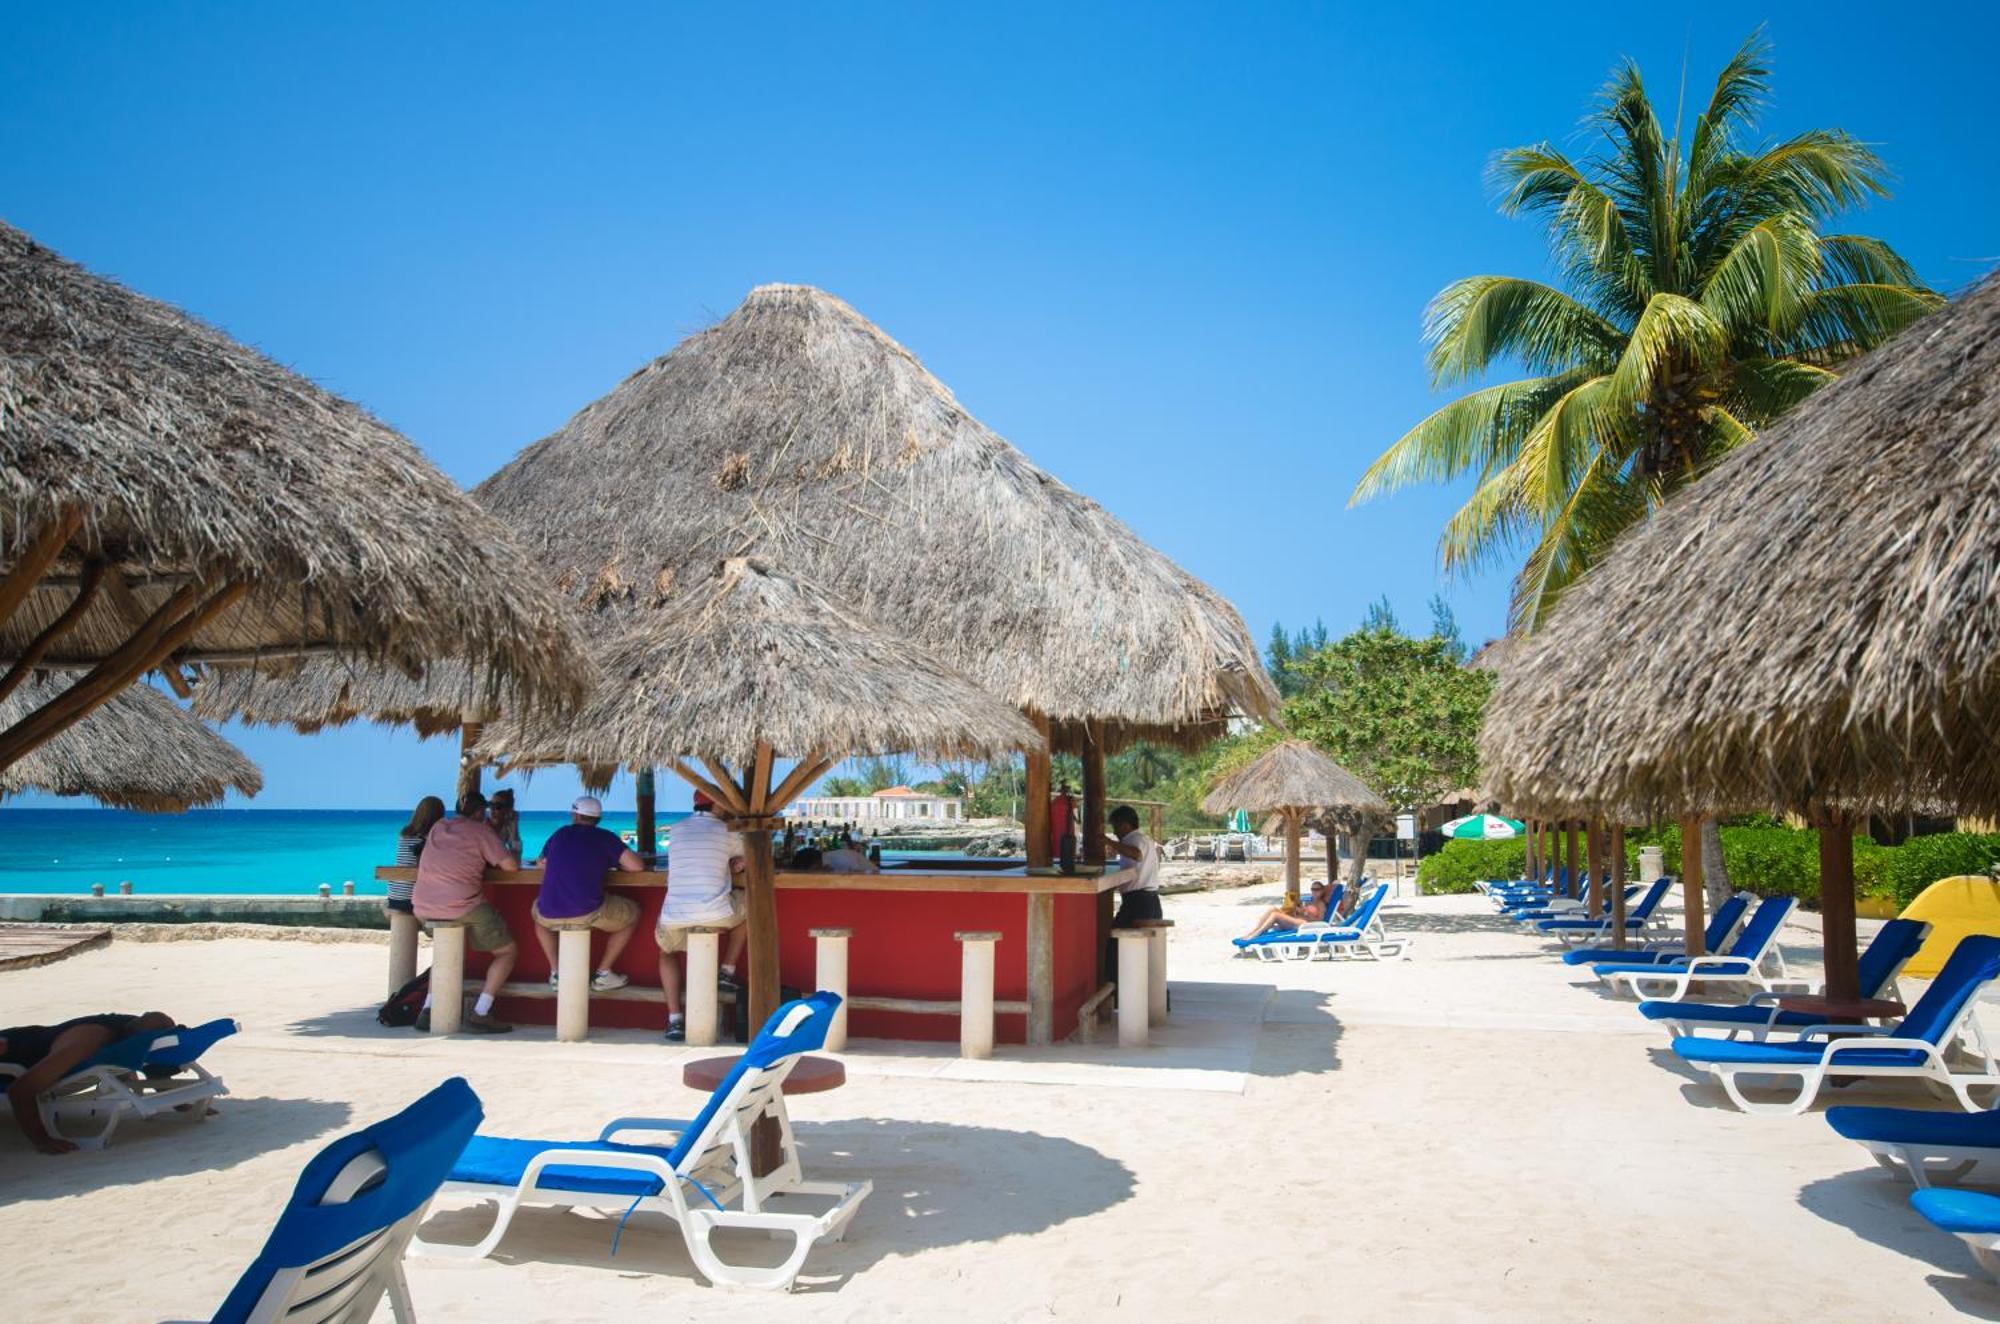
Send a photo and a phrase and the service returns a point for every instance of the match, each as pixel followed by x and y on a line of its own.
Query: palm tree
pixel 1700 299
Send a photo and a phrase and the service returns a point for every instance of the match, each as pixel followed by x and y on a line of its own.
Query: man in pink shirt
pixel 450 886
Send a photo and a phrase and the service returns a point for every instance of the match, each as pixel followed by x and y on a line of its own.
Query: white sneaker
pixel 552 979
pixel 606 980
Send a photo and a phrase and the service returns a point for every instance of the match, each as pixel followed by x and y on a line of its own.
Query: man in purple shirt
pixel 574 862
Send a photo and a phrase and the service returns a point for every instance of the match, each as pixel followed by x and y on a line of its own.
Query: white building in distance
pixel 895 805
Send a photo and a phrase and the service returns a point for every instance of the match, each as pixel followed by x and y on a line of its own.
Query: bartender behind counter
pixel 1140 898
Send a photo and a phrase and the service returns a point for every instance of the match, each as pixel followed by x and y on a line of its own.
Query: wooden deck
pixel 26 945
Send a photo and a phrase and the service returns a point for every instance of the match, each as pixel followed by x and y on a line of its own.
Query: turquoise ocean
pixel 264 851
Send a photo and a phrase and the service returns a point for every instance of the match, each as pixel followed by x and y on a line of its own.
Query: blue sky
pixel 1177 254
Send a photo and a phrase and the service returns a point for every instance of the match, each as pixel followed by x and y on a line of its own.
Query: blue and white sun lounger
pixel 1744 963
pixel 700 1176
pixel 1919 1144
pixel 1760 1018
pixel 1332 903
pixel 338 1246
pixel 1971 1216
pixel 1721 925
pixel 1638 917
pixel 142 1075
pixel 1361 934
pixel 1921 1046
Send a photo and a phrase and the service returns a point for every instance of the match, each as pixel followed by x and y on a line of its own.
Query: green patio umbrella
pixel 1240 821
pixel 1483 827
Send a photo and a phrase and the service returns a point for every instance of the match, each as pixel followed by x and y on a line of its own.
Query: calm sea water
pixel 269 851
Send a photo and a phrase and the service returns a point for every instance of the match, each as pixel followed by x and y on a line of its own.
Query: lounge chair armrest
pixel 1701 963
pixel 1766 1000
pixel 1849 1031
pixel 1924 1046
pixel 670 1125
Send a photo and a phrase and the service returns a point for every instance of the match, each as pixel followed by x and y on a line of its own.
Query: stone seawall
pixel 339 912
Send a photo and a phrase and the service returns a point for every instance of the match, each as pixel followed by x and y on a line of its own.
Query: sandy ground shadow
pixel 1875 1206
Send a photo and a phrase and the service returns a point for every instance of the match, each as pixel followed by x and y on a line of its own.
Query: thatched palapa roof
pixel 1294 775
pixel 1814 624
pixel 796 431
pixel 754 655
pixel 329 692
pixel 192 458
pixel 140 750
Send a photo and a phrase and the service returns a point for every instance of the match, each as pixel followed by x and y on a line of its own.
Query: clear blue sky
pixel 1177 254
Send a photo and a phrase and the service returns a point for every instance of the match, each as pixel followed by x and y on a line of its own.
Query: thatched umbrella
pixel 1295 781
pixel 744 670
pixel 1812 627
pixel 137 750
pixel 796 430
pixel 172 498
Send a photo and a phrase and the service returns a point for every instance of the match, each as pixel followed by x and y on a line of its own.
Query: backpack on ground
pixel 403 1005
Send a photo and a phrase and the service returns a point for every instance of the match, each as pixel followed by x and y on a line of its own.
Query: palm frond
pixel 1673 334
pixel 1487 525
pixel 1475 321
pixel 1763 389
pixel 1817 173
pixel 1741 90
pixel 1570 435
pixel 1480 431
pixel 1762 280
pixel 1862 260
pixel 1607 500
pixel 1840 321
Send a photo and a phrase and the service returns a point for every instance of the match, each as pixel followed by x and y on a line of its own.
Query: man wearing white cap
pixel 574 862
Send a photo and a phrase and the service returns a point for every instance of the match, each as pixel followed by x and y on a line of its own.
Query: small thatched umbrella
pixel 798 431
pixel 171 498
pixel 1812 627
pixel 748 669
pixel 137 750
pixel 1296 781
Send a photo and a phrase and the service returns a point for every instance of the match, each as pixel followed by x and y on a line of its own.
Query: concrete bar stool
pixel 975 997
pixel 704 967
pixel 572 978
pixel 402 948
pixel 1134 990
pixel 830 973
pixel 447 975
pixel 1156 968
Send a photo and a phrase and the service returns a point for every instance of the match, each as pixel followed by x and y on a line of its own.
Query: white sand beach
pixel 1456 1136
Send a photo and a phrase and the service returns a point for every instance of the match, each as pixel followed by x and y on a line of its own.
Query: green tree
pixel 1444 625
pixel 843 787
pixel 1699 297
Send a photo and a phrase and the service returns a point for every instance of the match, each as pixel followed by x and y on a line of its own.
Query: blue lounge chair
pixel 142 1075
pixel 1971 1216
pixel 1758 1018
pixel 1359 934
pixel 1332 904
pixel 1638 917
pixel 1755 947
pixel 701 1178
pixel 1919 1046
pixel 1920 1144
pixel 338 1246
pixel 1721 925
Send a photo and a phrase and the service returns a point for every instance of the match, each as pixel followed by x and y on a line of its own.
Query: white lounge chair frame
pixel 717 1165
pixel 346 1286
pixel 97 1098
pixel 1707 970
pixel 1315 939
pixel 1935 1070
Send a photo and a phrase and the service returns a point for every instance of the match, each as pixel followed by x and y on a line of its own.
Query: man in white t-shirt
pixel 1140 898
pixel 703 861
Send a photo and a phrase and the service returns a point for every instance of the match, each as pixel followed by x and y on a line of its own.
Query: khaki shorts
pixel 485 930
pixel 616 912
pixel 674 937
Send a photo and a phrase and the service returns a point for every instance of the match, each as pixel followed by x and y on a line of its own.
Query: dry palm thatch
pixel 1294 776
pixel 753 656
pixel 1813 626
pixel 796 431
pixel 153 469
pixel 140 750
pixel 327 692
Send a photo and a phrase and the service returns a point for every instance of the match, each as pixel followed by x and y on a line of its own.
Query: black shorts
pixel 1135 906
pixel 29 1044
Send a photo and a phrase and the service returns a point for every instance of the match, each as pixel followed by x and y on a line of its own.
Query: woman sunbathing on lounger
pixel 1310 911
pixel 47 1053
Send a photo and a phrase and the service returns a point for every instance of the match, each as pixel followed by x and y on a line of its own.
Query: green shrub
pixel 1921 861
pixel 1773 861
pixel 1461 863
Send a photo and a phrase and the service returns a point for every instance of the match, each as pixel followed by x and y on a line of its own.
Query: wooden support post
pixel 402 948
pixel 573 984
pixel 1528 860
pixel 1041 968
pixel 1291 819
pixel 1570 884
pixel 830 974
pixel 468 760
pixel 447 977
pixel 1836 906
pixel 1598 858
pixel 975 991
pixel 1035 806
pixel 649 832
pixel 1093 794
pixel 1691 894
pixel 1134 1011
pixel 1618 938
pixel 86 593
pixel 704 966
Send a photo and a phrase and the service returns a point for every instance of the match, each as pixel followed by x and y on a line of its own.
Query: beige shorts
pixel 485 929
pixel 674 937
pixel 616 912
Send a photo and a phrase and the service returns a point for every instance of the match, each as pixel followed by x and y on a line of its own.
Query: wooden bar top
pixel 1011 881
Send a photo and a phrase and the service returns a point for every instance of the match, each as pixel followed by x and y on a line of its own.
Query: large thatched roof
pixel 1294 775
pixel 753 655
pixel 797 431
pixel 1815 623
pixel 190 456
pixel 330 691
pixel 139 750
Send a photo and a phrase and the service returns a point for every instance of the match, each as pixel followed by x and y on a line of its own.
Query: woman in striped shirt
pixel 410 844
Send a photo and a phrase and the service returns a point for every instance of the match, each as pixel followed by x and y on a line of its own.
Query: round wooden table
pixel 1837 1010
pixel 810 1075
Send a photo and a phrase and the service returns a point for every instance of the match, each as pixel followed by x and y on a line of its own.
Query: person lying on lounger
pixel 1310 911
pixel 47 1053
